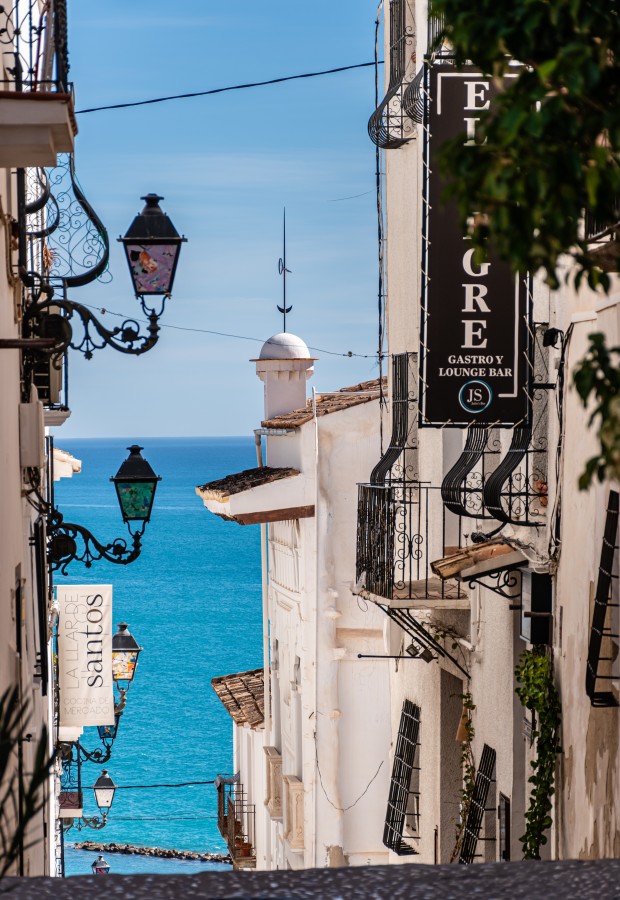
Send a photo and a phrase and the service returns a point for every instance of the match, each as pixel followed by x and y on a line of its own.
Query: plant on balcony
pixel 19 803
pixel 537 691
pixel 466 735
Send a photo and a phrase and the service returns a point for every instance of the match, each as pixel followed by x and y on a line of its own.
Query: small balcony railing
pixel 236 821
pixel 399 534
pixel 390 127
pixel 33 38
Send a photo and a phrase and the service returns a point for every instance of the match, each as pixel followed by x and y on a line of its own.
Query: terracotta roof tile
pixel 243 481
pixel 243 696
pixel 328 403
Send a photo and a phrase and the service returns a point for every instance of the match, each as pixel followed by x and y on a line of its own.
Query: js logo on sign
pixel 475 396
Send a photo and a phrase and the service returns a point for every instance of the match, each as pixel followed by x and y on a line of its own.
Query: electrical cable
pixel 241 337
pixel 136 787
pixel 159 818
pixel 234 87
pixel 327 797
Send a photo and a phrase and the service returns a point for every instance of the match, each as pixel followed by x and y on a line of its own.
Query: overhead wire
pixel 222 90
pixel 240 337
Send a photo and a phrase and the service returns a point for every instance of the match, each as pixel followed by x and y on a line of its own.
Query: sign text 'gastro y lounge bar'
pixel 475 315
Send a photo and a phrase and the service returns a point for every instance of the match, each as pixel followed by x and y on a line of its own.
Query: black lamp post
pixel 135 484
pixel 125 652
pixel 100 866
pixel 152 245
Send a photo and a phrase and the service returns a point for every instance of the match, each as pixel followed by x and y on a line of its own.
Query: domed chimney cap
pixel 284 346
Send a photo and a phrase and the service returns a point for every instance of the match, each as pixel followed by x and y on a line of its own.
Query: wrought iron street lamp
pixel 152 245
pixel 107 734
pixel 103 789
pixel 100 866
pixel 135 484
pixel 125 652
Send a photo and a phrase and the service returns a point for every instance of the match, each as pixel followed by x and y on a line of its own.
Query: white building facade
pixel 473 539
pixel 311 769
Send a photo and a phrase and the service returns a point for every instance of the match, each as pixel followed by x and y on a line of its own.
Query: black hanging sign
pixel 474 336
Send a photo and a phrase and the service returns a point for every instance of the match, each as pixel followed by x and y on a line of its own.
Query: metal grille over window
pixel 603 647
pixel 389 126
pixel 485 776
pixel 403 802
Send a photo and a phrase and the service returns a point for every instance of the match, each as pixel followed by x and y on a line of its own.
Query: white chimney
pixel 284 366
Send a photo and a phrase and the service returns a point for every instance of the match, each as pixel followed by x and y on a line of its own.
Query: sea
pixel 193 602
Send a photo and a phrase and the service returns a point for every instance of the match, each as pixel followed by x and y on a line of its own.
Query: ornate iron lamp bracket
pixel 95 822
pixel 52 316
pixel 63 543
pixel 98 755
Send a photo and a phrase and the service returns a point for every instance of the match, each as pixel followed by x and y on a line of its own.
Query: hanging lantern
pixel 125 652
pixel 103 790
pixel 100 866
pixel 135 484
pixel 152 245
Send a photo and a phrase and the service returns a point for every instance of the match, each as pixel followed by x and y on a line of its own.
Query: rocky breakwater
pixel 131 849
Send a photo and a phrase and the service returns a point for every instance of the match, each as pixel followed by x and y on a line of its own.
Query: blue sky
pixel 227 165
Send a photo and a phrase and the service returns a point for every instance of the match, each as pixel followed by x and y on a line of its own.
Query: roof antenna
pixel 284 309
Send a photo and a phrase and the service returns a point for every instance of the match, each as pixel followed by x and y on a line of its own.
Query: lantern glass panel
pixel 107 732
pixel 152 266
pixel 124 664
pixel 136 499
pixel 104 797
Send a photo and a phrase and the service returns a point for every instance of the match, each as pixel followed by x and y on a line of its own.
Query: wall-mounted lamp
pixel 135 483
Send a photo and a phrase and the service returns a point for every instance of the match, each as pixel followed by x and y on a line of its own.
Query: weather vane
pixel 284 309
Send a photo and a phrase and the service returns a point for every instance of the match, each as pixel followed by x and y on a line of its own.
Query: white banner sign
pixel 85 654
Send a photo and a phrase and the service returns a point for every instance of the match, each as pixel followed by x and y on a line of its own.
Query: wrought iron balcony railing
pixel 398 536
pixel 389 126
pixel 236 821
pixel 33 37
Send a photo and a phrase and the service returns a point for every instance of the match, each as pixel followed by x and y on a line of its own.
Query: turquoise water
pixel 193 601
pixel 79 862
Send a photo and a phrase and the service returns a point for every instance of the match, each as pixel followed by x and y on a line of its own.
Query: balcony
pixel 37 120
pixel 236 821
pixel 397 540
pixel 390 126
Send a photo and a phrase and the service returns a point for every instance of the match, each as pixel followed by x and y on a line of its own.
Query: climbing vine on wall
pixel 466 735
pixel 536 690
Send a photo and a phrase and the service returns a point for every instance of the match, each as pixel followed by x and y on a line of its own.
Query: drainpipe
pixel 315 787
pixel 266 649
pixel 327 716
